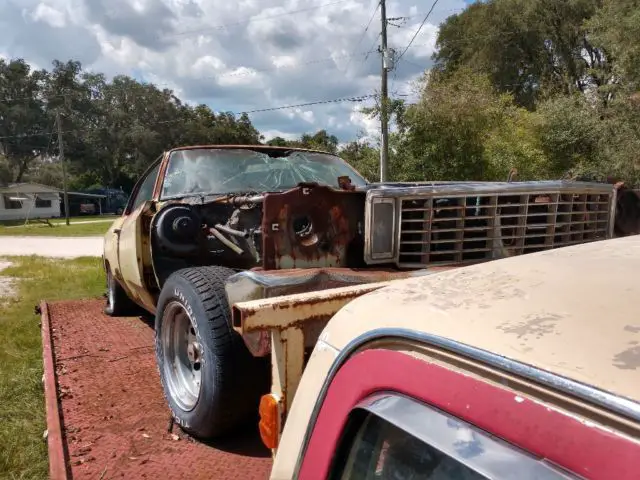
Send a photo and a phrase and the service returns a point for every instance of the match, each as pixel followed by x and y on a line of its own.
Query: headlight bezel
pixel 373 199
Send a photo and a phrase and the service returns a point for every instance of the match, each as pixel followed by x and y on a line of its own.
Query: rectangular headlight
pixel 381 229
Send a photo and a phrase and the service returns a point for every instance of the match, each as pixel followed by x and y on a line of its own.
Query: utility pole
pixel 384 97
pixel 64 168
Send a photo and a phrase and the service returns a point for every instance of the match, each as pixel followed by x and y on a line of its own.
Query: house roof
pixel 29 188
pixel 35 188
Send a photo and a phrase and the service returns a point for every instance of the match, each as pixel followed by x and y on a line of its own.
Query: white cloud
pixel 50 15
pixel 234 56
pixel 365 123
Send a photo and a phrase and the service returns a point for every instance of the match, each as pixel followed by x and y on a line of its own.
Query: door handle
pixel 117 231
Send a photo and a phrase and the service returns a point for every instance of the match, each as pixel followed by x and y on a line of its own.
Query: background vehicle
pixel 209 227
pixel 523 368
pixel 115 201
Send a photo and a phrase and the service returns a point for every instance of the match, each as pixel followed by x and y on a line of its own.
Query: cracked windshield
pixel 217 171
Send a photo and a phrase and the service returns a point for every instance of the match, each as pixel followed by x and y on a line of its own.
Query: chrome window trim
pixel 621 405
pixel 463 189
pixel 466 444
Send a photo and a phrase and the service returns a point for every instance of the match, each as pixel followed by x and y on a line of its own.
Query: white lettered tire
pixel 211 381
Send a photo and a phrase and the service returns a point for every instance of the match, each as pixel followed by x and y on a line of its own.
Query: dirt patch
pixel 114 414
pixel 7 285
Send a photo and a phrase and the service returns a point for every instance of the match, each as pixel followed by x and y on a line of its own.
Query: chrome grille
pixel 437 228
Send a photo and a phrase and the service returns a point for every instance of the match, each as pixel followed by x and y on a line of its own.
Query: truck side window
pixel 146 188
pixel 393 437
pixel 383 451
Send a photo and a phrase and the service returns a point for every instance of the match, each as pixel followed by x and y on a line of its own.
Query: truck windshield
pixel 210 171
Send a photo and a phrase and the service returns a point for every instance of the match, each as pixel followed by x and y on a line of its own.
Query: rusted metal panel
pixel 312 226
pixel 256 284
pixel 289 311
pixel 287 365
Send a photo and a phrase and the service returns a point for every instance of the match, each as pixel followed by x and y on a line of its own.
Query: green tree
pixel 447 128
pixel 616 28
pixel 533 49
pixel 22 117
pixel 363 157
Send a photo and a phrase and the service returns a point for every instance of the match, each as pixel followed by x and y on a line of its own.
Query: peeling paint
pixel 534 325
pixel 628 359
pixel 453 291
pixel 322 346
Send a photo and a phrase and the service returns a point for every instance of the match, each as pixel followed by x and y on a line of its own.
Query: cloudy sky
pixel 235 56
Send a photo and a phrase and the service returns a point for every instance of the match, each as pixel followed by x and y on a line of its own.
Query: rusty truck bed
pixel 106 415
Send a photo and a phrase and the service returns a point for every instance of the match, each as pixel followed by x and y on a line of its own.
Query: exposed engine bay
pixel 307 226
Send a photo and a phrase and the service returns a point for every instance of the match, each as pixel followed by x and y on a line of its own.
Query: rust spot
pixel 312 226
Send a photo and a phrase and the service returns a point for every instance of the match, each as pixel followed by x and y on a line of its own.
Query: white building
pixel 29 200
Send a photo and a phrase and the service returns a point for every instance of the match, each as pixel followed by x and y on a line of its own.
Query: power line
pixel 417 31
pixel 353 99
pixel 366 29
pixel 360 98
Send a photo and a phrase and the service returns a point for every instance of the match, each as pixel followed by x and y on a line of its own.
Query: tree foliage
pixel 112 130
pixel 548 87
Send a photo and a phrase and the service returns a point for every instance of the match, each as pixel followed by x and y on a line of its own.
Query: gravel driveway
pixel 58 247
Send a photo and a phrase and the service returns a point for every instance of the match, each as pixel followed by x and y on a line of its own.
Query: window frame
pixel 437 429
pixel 567 440
pixel 136 189
pixel 8 203
pixel 40 199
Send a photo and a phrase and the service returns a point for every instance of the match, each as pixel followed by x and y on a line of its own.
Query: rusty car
pixel 521 368
pixel 208 227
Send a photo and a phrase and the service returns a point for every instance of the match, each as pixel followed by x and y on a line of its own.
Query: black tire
pixel 231 379
pixel 118 303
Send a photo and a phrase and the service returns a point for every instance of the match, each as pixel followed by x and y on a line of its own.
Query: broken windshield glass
pixel 221 171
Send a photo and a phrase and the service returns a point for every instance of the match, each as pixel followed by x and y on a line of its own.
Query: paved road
pixel 57 247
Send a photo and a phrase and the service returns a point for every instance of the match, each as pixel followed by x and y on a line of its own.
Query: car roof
pixel 266 148
pixel 572 311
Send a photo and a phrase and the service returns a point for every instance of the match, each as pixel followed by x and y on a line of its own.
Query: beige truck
pixel 523 368
pixel 209 228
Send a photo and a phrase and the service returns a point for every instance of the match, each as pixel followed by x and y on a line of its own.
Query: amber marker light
pixel 269 420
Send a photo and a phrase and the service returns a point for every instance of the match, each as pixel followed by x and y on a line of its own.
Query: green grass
pixel 84 218
pixel 58 229
pixel 23 452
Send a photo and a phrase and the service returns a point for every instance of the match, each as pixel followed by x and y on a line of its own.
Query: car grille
pixel 441 229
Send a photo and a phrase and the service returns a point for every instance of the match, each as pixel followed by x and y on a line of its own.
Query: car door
pixel 387 414
pixel 131 245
